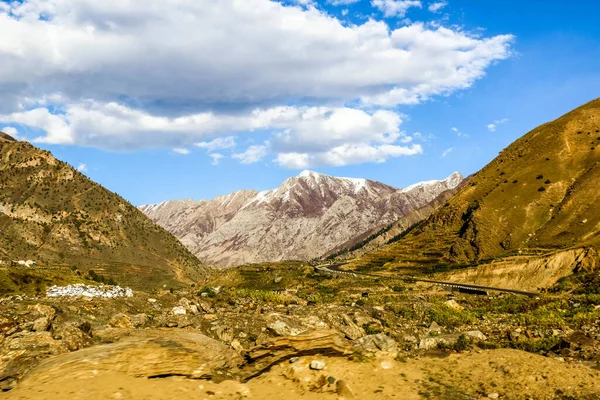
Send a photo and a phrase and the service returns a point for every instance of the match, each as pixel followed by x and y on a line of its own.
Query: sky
pixel 172 99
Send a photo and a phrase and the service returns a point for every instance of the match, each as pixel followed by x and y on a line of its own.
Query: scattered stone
pixel 72 337
pixel 152 300
pixel 350 329
pixel 278 279
pixel 282 328
pixel 121 321
pixel 477 335
pixel 433 342
pixel 493 396
pixel 454 305
pixel 294 359
pixel 41 324
pixel 237 346
pixel 331 380
pixel 410 339
pixel 434 327
pixel 375 346
pixel 179 310
pixel 317 365
pixel 140 320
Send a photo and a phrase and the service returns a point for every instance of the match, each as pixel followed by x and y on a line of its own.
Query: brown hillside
pixel 6 138
pixel 542 193
pixel 54 215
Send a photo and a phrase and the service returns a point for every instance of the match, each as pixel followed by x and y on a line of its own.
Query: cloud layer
pixel 170 73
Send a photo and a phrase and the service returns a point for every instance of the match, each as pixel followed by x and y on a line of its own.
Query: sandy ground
pixel 511 374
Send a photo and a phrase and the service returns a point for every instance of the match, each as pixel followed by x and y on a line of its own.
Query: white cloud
pixel 216 158
pixel 342 2
pixel 181 150
pixel 395 8
pixel 11 131
pixel 423 137
pixel 437 6
pixel 218 143
pixel 329 133
pixel 253 154
pixel 447 151
pixel 82 167
pixel 492 127
pixel 346 155
pixel 126 75
pixel 202 55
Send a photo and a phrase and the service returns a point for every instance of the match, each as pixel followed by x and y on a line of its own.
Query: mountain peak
pixel 451 181
pixel 309 174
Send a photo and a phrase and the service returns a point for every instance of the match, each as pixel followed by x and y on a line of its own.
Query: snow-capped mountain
pixel 306 217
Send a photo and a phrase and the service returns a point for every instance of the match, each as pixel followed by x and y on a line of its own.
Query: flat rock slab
pixel 145 354
pixel 324 342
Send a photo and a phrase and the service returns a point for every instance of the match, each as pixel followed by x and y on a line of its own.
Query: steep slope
pixel 306 217
pixel 541 194
pixel 392 232
pixel 53 214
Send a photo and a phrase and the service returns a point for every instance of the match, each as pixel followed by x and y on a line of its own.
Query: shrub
pixel 540 176
pixel 547 182
pixel 208 290
pixel 542 189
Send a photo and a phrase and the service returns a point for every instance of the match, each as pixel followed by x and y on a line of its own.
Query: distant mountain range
pixel 308 216
pixel 52 214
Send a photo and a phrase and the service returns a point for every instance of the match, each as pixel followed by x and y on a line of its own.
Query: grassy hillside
pixel 54 215
pixel 540 194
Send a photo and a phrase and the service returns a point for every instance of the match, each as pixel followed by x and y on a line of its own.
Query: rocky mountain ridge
pixel 306 217
pixel 52 214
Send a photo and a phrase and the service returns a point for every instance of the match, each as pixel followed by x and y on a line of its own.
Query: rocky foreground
pixel 365 340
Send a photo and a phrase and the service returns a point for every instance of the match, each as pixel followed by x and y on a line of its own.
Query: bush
pixel 547 182
pixel 540 176
pixel 208 290
pixel 542 189
pixel 449 317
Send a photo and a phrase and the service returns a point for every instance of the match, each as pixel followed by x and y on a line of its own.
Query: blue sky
pixel 386 90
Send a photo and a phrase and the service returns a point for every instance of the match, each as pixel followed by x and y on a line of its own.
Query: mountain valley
pixel 384 321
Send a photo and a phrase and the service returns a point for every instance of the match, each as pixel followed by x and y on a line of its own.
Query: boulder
pixel 281 326
pixel 72 337
pixel 350 329
pixel 317 365
pixel 433 342
pixel 375 346
pixel 41 324
pixel 140 320
pixel 454 305
pixel 121 321
pixel 179 310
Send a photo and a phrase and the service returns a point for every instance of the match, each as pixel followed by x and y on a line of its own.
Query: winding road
pixel 476 289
